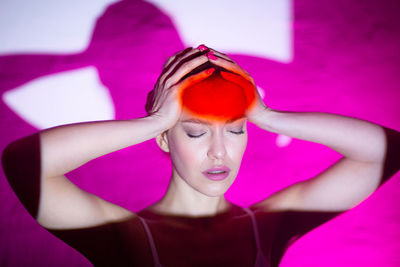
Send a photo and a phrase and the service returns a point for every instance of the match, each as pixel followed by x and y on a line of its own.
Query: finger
pixel 203 47
pixel 226 62
pixel 175 57
pixel 182 67
pixel 180 61
pixel 185 69
pixel 221 55
pixel 171 61
pixel 181 86
pixel 233 67
pixel 214 52
pixel 174 61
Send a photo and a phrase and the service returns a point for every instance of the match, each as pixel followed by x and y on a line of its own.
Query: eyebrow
pixel 209 123
pixel 197 121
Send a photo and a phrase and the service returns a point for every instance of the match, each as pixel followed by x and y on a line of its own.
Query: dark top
pixel 226 239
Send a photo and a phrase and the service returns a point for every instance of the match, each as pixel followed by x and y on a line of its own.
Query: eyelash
pixel 238 132
pixel 194 136
pixel 197 136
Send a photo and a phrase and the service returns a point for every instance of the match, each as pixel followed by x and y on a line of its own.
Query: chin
pixel 214 190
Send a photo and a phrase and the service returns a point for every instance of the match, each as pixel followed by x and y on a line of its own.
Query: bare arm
pixel 35 165
pixel 370 154
pixel 353 178
pixel 353 138
pixel 67 147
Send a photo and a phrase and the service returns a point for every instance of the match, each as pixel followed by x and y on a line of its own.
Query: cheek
pixel 184 154
pixel 237 147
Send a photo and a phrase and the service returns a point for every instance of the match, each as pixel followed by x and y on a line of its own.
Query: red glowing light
pixel 221 96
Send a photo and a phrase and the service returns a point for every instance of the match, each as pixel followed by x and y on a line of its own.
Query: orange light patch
pixel 221 96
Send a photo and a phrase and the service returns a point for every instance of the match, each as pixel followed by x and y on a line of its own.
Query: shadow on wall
pixel 346 61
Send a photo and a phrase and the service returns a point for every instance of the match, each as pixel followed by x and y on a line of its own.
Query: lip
pixel 217 176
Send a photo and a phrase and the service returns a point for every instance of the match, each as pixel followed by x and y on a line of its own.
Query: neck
pixel 182 199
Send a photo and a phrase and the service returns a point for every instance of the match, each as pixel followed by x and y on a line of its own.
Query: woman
pixel 193 224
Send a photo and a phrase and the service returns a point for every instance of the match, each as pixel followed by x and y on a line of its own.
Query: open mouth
pixel 217 173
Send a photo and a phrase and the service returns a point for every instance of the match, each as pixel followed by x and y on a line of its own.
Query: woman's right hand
pixel 165 97
pixel 51 153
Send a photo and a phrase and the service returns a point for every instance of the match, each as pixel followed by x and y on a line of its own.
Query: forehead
pixel 188 118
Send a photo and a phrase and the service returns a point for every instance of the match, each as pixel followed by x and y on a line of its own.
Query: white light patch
pixel 47 25
pixel 283 140
pixel 68 97
pixel 259 28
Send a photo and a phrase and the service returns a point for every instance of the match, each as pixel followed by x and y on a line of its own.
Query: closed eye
pixel 194 135
pixel 237 132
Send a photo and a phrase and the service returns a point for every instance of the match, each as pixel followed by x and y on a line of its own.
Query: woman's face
pixel 207 154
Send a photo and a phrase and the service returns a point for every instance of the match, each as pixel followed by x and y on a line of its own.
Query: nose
pixel 217 149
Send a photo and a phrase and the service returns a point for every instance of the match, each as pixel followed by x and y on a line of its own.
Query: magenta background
pixel 346 61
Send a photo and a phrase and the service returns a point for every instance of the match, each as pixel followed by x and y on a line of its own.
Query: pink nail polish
pixel 209 71
pixel 211 56
pixel 202 47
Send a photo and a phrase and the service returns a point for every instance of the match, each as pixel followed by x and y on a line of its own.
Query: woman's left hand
pixel 258 109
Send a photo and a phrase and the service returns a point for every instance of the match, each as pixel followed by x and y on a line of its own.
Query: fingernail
pixel 209 71
pixel 211 56
pixel 202 47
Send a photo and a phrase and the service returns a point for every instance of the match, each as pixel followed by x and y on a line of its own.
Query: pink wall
pixel 346 61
